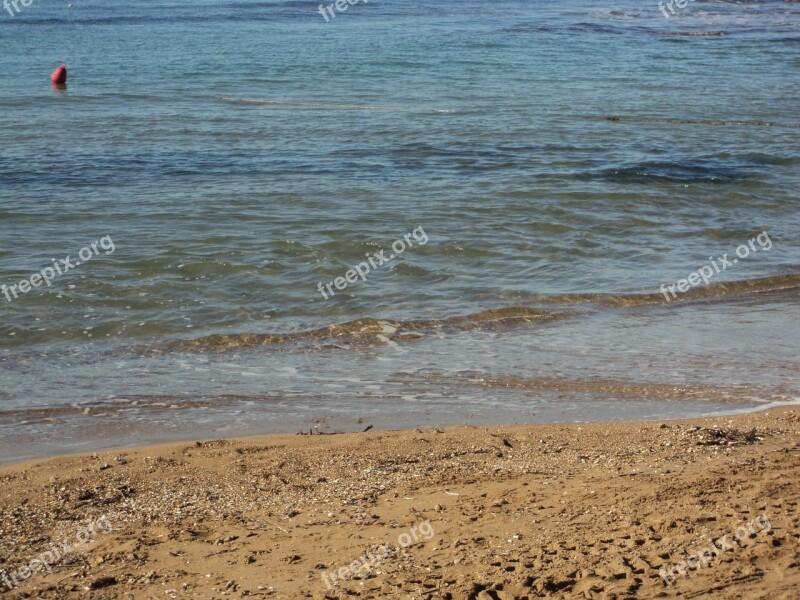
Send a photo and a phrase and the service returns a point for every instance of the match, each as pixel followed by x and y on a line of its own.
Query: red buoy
pixel 59 76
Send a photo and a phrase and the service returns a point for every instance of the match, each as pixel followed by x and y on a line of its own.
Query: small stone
pixel 102 582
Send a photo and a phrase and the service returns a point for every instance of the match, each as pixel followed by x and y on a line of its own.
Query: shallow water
pixel 564 160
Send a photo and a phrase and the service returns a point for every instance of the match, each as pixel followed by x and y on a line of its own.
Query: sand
pixel 554 511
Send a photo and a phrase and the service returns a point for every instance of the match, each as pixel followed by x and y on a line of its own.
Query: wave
pixel 369 331
pixel 619 389
pixel 307 104
pixel 142 406
pixel 782 286
pixel 710 122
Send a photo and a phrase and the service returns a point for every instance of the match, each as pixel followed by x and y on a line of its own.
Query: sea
pixel 184 225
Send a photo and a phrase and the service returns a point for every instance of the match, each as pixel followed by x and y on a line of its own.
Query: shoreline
pixel 103 445
pixel 592 510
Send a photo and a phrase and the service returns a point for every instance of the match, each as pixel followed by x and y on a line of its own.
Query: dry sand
pixel 571 511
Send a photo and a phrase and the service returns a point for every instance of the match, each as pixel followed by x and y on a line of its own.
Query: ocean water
pixel 555 163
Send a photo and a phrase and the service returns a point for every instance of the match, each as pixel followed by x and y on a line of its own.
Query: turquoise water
pixel 564 160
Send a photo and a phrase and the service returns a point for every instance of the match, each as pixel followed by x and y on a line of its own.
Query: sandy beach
pixel 691 509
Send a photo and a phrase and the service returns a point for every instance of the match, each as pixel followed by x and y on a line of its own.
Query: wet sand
pixel 549 511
